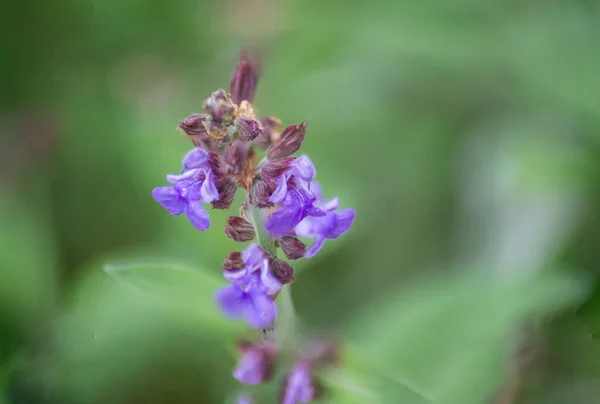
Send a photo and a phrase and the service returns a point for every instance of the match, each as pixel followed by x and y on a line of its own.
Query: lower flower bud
pixel 239 229
pixel 292 247
pixel 257 362
pixel 233 262
pixel 282 271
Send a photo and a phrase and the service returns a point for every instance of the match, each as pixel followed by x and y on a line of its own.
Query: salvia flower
pixel 282 204
pixel 195 184
pixel 256 363
pixel 252 290
pixel 292 196
pixel 329 226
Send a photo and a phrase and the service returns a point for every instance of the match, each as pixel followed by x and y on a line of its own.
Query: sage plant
pixel 282 203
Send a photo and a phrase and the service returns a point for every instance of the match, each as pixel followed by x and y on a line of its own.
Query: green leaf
pixel 452 338
pixel 139 321
pixel 181 290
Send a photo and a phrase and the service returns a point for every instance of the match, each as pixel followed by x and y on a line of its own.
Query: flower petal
pixel 187 175
pixel 253 256
pixel 331 205
pixel 280 192
pixel 232 301
pixel 195 158
pixel 169 199
pixel 261 312
pixel 271 284
pixel 343 222
pixel 251 368
pixel 235 275
pixel 209 192
pixel 316 247
pixel 304 168
pixel 197 215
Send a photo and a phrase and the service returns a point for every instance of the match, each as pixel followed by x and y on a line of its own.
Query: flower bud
pixel 233 262
pixel 300 386
pixel 262 192
pixel 238 229
pixel 248 129
pixel 227 189
pixel 282 270
pixel 289 141
pixel 292 247
pixel 193 125
pixel 244 80
pixel 257 362
pixel 274 168
pixel 220 109
pixel 235 157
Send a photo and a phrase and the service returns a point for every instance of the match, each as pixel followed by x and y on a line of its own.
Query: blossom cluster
pixel 283 203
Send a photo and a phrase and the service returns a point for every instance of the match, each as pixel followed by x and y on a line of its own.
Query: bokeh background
pixel 465 134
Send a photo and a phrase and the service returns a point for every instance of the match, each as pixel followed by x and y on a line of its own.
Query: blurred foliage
pixel 464 133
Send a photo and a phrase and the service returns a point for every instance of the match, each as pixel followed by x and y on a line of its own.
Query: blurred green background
pixel 465 134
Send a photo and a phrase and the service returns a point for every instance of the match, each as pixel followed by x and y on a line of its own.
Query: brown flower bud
pixel 235 157
pixel 274 168
pixel 233 262
pixel 244 79
pixel 292 247
pixel 238 229
pixel 227 189
pixel 193 125
pixel 221 110
pixel 248 129
pixel 282 270
pixel 289 141
pixel 263 189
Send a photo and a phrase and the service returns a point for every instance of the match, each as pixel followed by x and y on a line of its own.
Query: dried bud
pixel 235 157
pixel 193 125
pixel 300 386
pixel 274 168
pixel 233 262
pixel 227 189
pixel 262 192
pixel 292 247
pixel 238 229
pixel 244 80
pixel 289 142
pixel 282 270
pixel 214 160
pixel 270 133
pixel 220 109
pixel 257 362
pixel 248 129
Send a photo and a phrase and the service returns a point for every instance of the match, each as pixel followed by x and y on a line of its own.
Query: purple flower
pixel 329 226
pixel 299 385
pixel 257 362
pixel 250 296
pixel 195 184
pixel 293 195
